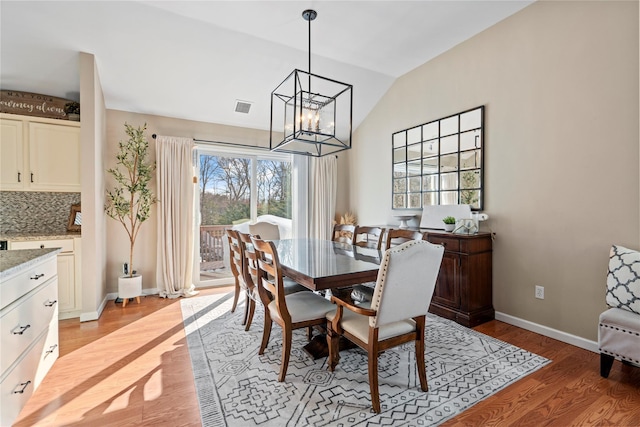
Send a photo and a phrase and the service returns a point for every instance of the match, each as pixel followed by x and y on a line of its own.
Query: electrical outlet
pixel 540 292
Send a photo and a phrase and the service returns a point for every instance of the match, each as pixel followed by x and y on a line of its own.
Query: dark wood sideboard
pixel 464 290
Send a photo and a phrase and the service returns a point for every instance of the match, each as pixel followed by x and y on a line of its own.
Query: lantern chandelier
pixel 311 115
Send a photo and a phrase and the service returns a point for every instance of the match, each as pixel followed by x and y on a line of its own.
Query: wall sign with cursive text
pixel 33 104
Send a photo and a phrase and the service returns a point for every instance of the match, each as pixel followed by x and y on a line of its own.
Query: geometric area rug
pixel 237 387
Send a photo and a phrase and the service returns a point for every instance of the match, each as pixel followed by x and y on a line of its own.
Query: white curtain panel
pixel 175 173
pixel 323 184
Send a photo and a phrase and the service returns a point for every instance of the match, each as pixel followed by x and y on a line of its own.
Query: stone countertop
pixel 12 262
pixel 21 237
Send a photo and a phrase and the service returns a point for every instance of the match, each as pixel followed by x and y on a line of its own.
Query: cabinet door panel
pixel 11 152
pixel 66 285
pixel 54 156
pixel 447 291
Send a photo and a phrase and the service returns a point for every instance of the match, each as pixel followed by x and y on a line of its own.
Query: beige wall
pixel 560 84
pixel 144 258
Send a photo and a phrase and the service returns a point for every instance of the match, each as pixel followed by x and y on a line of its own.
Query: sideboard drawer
pixel 21 284
pixel 24 322
pixel 450 244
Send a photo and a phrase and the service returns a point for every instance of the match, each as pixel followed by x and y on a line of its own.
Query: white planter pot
pixel 449 227
pixel 129 287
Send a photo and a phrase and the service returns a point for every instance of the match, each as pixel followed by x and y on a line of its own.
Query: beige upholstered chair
pixel 265 230
pixel 370 237
pixel 401 299
pixel 619 326
pixel 290 311
pixel 343 233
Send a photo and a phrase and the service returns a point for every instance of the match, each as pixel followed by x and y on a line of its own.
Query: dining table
pixel 322 265
pixel 326 265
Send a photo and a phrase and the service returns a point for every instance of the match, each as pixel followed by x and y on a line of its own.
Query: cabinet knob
pixel 41 246
pixel 51 350
pixel 20 330
pixel 23 385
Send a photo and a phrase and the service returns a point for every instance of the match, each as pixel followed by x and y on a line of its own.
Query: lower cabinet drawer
pixel 19 384
pixel 24 322
pixel 20 284
pixel 65 244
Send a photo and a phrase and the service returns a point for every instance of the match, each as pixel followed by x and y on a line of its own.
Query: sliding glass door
pixel 235 188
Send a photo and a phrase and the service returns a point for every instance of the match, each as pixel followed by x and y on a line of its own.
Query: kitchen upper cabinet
pixel 11 152
pixel 40 154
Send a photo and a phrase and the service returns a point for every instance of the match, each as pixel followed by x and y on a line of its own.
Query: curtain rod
pixel 233 144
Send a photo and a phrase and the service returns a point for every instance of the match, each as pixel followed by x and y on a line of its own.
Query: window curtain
pixel 175 173
pixel 323 184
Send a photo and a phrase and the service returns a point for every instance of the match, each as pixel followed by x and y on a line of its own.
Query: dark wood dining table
pixel 324 264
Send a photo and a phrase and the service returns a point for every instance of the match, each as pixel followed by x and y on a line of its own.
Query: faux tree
pixel 131 199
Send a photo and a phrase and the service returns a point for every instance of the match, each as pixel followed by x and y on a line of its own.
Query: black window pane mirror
pixel 440 162
pixel 75 218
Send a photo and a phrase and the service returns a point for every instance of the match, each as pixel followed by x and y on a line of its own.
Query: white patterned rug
pixel 236 387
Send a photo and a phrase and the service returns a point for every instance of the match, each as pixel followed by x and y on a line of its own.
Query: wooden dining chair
pixel 398 236
pixel 249 276
pixel 232 238
pixel 343 233
pixel 292 311
pixel 405 285
pixel 369 237
pixel 245 283
pixel 250 270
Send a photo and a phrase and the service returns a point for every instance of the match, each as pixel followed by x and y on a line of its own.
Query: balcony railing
pixel 211 243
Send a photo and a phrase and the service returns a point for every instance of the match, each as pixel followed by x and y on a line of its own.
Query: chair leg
pixel 252 309
pixel 309 333
pixel 373 379
pixel 422 370
pixel 266 331
pixel 286 352
pixel 235 296
pixel 606 362
pixel 246 309
pixel 333 342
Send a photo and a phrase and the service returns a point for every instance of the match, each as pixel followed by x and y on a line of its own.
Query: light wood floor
pixel 132 367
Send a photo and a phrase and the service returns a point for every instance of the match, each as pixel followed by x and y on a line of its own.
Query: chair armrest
pixel 356 309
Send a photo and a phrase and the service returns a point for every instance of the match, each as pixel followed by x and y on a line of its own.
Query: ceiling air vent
pixel 243 107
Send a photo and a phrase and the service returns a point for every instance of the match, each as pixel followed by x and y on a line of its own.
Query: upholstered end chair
pixel 619 326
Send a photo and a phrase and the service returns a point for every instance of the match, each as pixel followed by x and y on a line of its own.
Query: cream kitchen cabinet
pixel 39 154
pixel 29 325
pixel 68 266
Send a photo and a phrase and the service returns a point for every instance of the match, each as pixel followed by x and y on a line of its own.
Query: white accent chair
pixel 401 299
pixel 266 230
pixel 619 326
pixel 290 311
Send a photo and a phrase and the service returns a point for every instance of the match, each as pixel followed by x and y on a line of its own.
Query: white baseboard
pixel 549 332
pixel 94 315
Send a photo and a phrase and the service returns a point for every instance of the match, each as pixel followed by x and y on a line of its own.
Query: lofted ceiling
pixel 194 59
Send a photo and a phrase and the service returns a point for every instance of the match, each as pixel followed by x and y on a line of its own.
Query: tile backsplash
pixel 35 212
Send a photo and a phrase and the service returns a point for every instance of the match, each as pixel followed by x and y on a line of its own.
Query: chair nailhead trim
pixel 620 329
